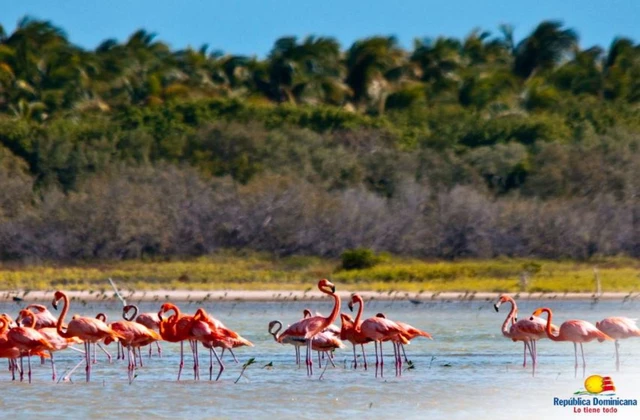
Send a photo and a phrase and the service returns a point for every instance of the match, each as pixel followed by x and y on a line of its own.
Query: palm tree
pixel 547 45
pixel 373 66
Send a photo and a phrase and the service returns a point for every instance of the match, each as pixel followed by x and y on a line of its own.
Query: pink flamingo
pixel 89 330
pixel 148 319
pixel 297 342
pixel 43 318
pixel 618 327
pixel 348 332
pixel 412 332
pixel 574 330
pixel 379 330
pixel 50 334
pixel 308 328
pixel 526 330
pixel 28 341
pixel 7 349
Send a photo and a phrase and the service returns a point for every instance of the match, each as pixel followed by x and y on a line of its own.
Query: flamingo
pixel 28 340
pixel 135 335
pixel 348 332
pixel 525 330
pixel 379 330
pixel 178 328
pixel 412 332
pixel 148 319
pixel 7 349
pixel 43 318
pixel 29 319
pixel 308 328
pixel 574 330
pixel 618 327
pixel 89 330
pixel 333 328
pixel 324 342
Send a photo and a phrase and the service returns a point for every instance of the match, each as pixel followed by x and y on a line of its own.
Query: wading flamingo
pixel 379 330
pixel 297 342
pixel 7 349
pixel 526 330
pixel 574 330
pixel 43 318
pixel 412 332
pixel 28 341
pixel 148 319
pixel 348 333
pixel 618 327
pixel 134 336
pixel 27 318
pixel 308 328
pixel 324 342
pixel 89 330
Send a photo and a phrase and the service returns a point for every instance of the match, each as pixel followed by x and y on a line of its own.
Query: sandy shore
pixel 295 295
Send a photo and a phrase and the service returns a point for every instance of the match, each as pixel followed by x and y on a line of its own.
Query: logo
pixel 598 396
pixel 596 385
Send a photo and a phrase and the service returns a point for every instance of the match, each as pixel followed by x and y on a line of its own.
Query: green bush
pixel 358 258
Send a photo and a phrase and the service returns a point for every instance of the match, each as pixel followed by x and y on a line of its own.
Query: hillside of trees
pixel 478 147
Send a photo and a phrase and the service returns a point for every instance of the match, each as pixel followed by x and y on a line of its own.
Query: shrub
pixel 354 259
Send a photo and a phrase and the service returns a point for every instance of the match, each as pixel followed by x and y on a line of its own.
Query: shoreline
pixel 297 295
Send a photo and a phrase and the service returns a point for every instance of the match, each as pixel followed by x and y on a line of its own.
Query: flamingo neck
pixel 548 327
pixel 29 313
pixel 275 333
pixel 510 317
pixel 356 323
pixel 129 309
pixel 65 309
pixel 336 308
pixel 3 325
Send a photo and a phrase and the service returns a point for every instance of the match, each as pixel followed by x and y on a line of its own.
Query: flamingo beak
pixel 496 306
pixel 350 305
pixel 55 304
pixel 333 289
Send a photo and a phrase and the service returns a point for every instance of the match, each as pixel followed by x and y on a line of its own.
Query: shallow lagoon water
pixel 468 371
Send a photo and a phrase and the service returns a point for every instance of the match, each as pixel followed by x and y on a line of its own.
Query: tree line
pixel 474 147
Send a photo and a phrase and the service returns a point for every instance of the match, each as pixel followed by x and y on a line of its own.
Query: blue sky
pixel 251 26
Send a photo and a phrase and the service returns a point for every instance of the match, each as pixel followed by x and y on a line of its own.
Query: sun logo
pixel 596 384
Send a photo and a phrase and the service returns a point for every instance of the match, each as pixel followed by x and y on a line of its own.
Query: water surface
pixel 468 371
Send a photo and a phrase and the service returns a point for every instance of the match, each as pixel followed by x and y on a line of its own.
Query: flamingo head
pixel 538 311
pixel 324 284
pixel 380 315
pixel 272 324
pixel 56 297
pixel 502 299
pixel 355 298
pixel 306 313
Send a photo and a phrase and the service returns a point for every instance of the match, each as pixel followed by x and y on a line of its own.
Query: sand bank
pixel 295 295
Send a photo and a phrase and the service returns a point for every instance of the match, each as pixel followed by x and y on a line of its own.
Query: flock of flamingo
pixel 36 332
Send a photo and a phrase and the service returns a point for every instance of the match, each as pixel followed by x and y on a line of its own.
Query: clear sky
pixel 251 26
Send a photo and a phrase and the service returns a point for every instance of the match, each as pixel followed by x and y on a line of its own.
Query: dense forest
pixel 477 147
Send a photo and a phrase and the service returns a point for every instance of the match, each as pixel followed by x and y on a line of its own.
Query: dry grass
pixel 263 272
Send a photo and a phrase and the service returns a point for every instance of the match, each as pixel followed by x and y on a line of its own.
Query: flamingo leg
pixel 575 351
pixel 219 360
pixel 139 355
pixel 68 375
pixel 381 361
pixel 330 357
pixel 29 364
pixel 105 352
pixel 181 359
pixel 584 363
pixel 319 361
pixel 355 358
pixel 309 359
pixel 617 344
pixel 364 357
pixel 235 359
pixel 21 369
pixel 395 357
pixel 195 361
pixel 400 359
pixel 297 355
pixel 53 366
pixel 526 347
pixel 210 364
pixel 150 350
pixel 404 353
pixel 375 343
pixel 87 348
pixel 159 349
